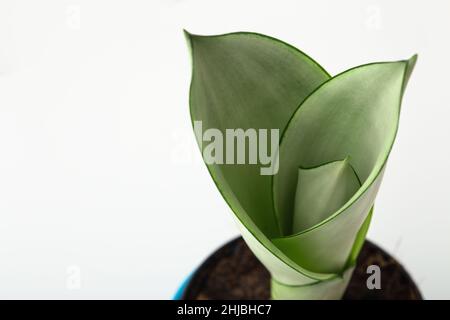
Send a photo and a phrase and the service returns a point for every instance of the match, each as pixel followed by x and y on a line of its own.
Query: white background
pixel 100 180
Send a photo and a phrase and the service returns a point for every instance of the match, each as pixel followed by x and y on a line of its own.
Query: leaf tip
pixel 411 62
pixel 409 67
pixel 188 37
pixel 186 33
pixel 414 58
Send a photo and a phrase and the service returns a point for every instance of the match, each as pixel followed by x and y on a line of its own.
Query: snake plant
pixel 307 221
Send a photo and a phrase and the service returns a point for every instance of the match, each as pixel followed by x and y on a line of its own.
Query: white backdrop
pixel 102 191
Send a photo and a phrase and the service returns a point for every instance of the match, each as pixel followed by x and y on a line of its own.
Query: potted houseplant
pixel 299 156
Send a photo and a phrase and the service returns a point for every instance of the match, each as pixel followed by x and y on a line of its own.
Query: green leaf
pixel 354 115
pixel 320 192
pixel 360 239
pixel 332 289
pixel 247 80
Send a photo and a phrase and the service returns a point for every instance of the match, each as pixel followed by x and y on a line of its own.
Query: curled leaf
pixel 355 115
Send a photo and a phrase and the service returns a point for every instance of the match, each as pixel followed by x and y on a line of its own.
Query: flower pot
pixel 233 272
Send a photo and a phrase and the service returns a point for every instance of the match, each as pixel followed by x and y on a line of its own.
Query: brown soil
pixel 233 272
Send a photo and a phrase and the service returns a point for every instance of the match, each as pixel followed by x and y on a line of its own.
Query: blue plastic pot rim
pixel 180 291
